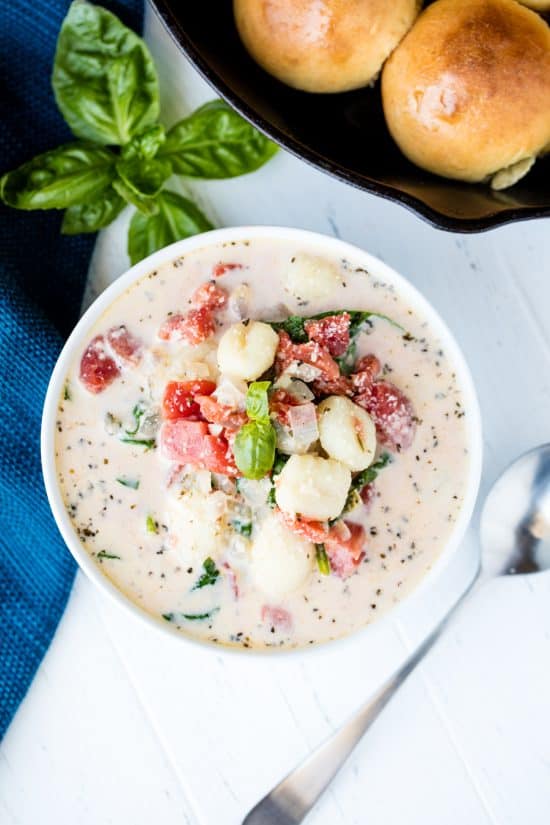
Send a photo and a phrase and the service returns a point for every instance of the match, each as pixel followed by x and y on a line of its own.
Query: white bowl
pixel 324 244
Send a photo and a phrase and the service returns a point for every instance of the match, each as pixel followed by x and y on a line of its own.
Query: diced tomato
pixel 366 371
pixel 314 531
pixel 344 541
pixel 209 296
pixel 311 353
pixel 345 554
pixel 179 398
pixel 331 332
pixel 220 269
pixel 97 368
pixel 217 413
pixel 190 442
pixel 277 618
pixel 193 328
pixel 392 412
pixel 368 494
pixel 125 345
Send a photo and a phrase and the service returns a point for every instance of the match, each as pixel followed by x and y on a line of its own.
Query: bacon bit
pixel 232 576
pixel 344 541
pixel 97 368
pixel 179 398
pixel 392 412
pixel 280 402
pixel 277 617
pixel 125 345
pixel 346 555
pixel 331 332
pixel 366 371
pixel 311 353
pixel 190 442
pixel 220 269
pixel 333 386
pixel 217 413
pixel 209 296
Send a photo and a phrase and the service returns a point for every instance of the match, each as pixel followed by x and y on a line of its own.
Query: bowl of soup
pixel 262 439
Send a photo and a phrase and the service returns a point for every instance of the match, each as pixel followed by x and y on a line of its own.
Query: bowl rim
pixel 164 11
pixel 324 243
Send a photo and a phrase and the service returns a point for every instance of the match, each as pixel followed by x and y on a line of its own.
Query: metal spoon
pixel 515 539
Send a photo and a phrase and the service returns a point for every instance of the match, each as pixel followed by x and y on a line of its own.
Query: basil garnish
pixel 254 447
pixel 215 142
pixel 105 84
pixel 176 217
pixel 104 79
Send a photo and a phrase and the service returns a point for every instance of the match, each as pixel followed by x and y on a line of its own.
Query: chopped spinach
pixel 191 617
pixel 148 443
pixel 242 527
pixel 137 413
pixel 103 554
pixel 210 575
pixel 362 479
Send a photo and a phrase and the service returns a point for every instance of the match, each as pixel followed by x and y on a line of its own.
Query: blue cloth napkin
pixel 42 276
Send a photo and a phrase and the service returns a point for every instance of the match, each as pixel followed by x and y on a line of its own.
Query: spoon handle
pixel 292 799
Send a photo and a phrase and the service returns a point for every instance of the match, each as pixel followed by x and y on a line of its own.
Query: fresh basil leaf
pixel 67 176
pixel 104 79
pixel 362 479
pixel 177 218
pixel 215 142
pixel 144 177
pixel 145 145
pixel 257 402
pixel 93 215
pixel 147 206
pixel 209 576
pixel 323 562
pixel 254 448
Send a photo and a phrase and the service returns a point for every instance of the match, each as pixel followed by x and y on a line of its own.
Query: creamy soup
pixel 252 474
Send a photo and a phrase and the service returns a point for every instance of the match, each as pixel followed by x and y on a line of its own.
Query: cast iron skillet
pixel 342 134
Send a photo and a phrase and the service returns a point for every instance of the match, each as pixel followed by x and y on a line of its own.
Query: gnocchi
pixel 311 279
pixel 313 487
pixel 347 432
pixel 247 350
pixel 280 561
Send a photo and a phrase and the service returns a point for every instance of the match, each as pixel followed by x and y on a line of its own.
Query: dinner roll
pixel 467 93
pixel 323 45
pixel 538 5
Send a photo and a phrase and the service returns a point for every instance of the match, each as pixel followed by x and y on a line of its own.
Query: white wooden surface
pixel 124 726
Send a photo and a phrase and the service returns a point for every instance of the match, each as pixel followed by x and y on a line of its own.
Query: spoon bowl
pixel 515 524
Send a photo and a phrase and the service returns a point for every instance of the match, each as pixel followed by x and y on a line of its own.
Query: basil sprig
pixel 254 447
pixel 106 87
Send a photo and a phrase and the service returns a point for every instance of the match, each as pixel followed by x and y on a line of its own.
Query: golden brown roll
pixel 538 5
pixel 323 45
pixel 467 92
